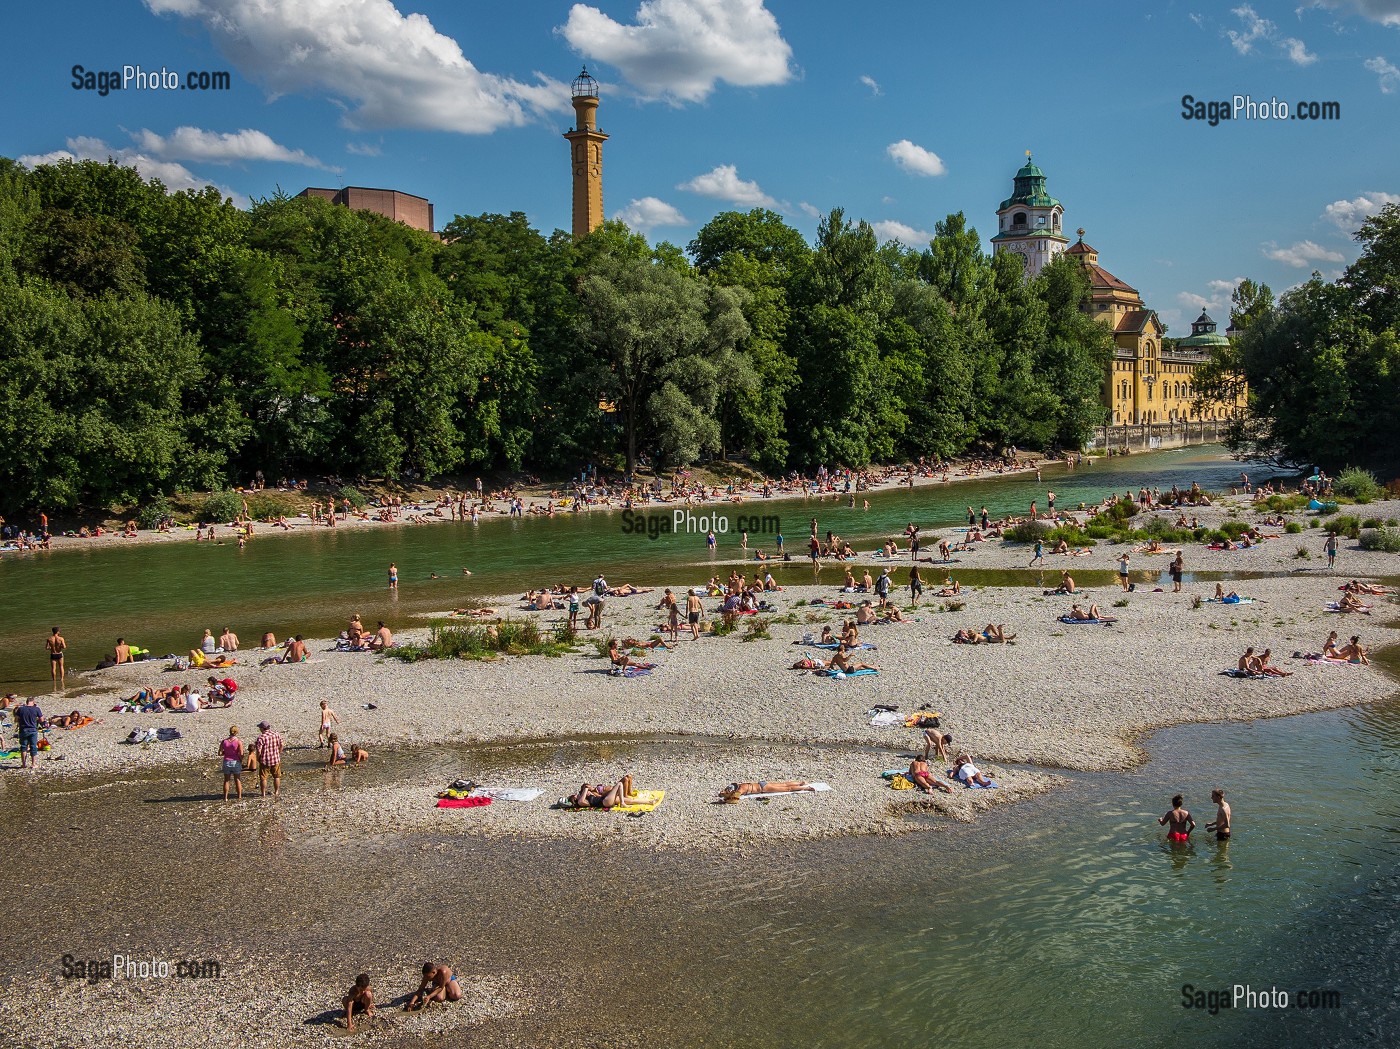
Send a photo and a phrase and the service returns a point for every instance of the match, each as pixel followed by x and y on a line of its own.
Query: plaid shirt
pixel 269 746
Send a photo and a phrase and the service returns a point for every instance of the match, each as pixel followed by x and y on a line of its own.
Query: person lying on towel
pixel 732 793
pixel 926 781
pixel 603 795
pixel 968 773
pixel 1076 612
pixel 842 661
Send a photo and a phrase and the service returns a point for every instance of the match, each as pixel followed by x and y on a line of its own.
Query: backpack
pixel 599 587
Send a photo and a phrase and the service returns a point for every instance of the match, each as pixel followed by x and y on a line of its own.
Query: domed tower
pixel 1029 221
pixel 586 145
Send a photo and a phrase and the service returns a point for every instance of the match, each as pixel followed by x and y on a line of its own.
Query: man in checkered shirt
pixel 268 747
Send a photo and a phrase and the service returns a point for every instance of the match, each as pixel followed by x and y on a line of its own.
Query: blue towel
pixel 1082 622
pixel 833 645
pixel 840 674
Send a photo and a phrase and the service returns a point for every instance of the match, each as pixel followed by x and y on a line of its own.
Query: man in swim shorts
pixel 56 645
pixel 1221 823
pixel 439 984
pixel 1178 822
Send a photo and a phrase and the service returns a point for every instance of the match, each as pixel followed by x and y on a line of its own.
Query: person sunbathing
pixel 967 637
pixel 1062 547
pixel 841 661
pixel 951 588
pixel 71 721
pixel 731 794
pixel 475 613
pixel 1083 616
pixel 827 638
pixel 968 773
pixel 850 635
pixel 1329 647
pixel 627 590
pixel 865 614
pixel 620 659
pixel 604 796
pixel 1352 652
pixel 995 634
pixel 1222 596
pixel 654 643
pixel 1352 603
pixel 921 777
pixel 1271 671
pixel 1249 662
pixel 891 614
pixel 1357 587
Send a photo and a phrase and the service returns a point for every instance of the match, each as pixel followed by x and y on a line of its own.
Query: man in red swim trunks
pixel 1178 822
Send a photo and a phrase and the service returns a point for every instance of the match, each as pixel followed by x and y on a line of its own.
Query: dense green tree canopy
pixel 156 340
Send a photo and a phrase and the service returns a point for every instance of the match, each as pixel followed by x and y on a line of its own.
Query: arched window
pixel 1018 219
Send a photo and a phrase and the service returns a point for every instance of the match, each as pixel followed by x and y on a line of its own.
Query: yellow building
pixel 586 157
pixel 1147 382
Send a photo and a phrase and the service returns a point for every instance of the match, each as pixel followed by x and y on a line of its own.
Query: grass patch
pixel 1293 528
pixel 1122 602
pixel 1360 485
pixel 475 641
pixel 756 629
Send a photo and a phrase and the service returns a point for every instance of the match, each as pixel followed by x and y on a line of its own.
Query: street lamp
pixel 1151 380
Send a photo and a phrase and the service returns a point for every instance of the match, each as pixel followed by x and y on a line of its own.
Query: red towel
pixel 462 803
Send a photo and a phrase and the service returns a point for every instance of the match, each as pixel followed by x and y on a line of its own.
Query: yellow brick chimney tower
pixel 586 145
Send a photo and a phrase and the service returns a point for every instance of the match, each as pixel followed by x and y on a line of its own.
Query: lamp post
pixel 1151 380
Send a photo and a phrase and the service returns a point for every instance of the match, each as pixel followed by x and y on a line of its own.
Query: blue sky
pixel 900 112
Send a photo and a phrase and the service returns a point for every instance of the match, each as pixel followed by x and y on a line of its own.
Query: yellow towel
pixel 646 801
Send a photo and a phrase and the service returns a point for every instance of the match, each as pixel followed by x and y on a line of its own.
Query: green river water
pixel 1061 921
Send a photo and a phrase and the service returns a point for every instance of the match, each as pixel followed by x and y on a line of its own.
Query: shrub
pixel 477 641
pixel 1234 529
pixel 356 497
pixel 153 513
pixel 1385 540
pixel 1122 602
pixel 1071 534
pixel 222 507
pixel 1371 522
pixel 1359 484
pixel 1345 524
pixel 1028 531
pixel 1292 528
pixel 1281 503
pixel 1302 554
pixel 1314 523
pixel 1391 522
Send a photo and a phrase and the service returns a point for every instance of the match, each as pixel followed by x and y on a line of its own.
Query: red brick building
pixel 402 207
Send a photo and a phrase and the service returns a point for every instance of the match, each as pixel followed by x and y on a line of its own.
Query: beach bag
pixel 900 782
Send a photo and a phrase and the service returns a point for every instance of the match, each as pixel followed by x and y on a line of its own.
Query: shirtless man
pixel 1221 823
pixel 1178 822
pixel 1249 662
pixel 122 653
pixel 228 640
pixel 693 608
pixel 383 638
pixel 56 644
pixel 439 984
pixel 361 995
pixel 935 740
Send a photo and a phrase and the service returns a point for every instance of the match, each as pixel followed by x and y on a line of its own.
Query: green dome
pixel 1029 190
pixel 1030 171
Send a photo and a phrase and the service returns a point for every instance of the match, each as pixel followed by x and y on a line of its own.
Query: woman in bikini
pixel 921 777
pixel 604 796
pixel 731 794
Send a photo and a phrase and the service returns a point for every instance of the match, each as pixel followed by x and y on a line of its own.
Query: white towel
pixel 812 787
pixel 507 793
pixel 887 718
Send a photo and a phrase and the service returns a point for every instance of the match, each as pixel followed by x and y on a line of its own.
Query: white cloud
pixel 724 183
pixel 1195 302
pixel 1386 12
pixel 173 176
pixel 810 210
pixel 363 149
pixel 1349 214
pixel 1303 253
pixel 870 82
pixel 646 214
pixel 1224 287
pixel 679 49
pixel 393 70
pixel 1217 302
pixel 1390 76
pixel 229 147
pixel 915 159
pixel 906 235
pixel 1199 21
pixel 1257 28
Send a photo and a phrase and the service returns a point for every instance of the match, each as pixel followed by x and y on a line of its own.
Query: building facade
pixel 1146 381
pixel 586 156
pixel 392 204
pixel 1028 221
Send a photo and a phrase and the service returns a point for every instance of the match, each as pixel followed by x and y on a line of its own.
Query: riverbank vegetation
pixel 161 342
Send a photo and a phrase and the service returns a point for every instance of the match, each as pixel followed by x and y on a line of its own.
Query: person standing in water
pixel 1178 822
pixel 56 646
pixel 1221 823
pixel 393 575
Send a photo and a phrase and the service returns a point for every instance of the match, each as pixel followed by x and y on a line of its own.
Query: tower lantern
pixel 586 148
pixel 1028 221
